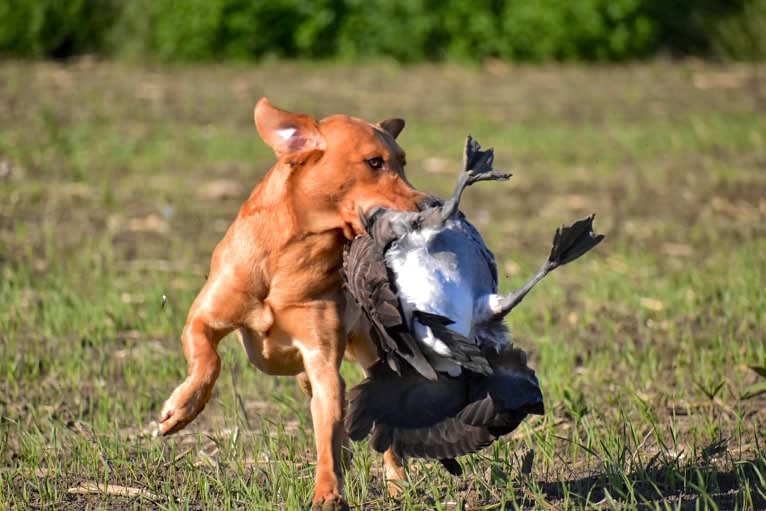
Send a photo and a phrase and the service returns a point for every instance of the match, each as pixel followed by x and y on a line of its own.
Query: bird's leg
pixel 511 300
pixel 569 243
pixel 450 207
pixel 477 166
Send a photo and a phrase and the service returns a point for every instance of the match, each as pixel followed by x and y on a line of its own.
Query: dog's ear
pixel 392 126
pixel 286 132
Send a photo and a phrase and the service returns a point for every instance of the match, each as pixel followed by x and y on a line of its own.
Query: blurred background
pixel 407 31
pixel 127 146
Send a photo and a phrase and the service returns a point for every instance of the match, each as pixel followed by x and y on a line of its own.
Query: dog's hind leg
pixel 393 467
pixel 360 349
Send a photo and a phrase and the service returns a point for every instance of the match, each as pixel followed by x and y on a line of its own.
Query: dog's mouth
pixel 358 222
pixel 356 225
pixel 350 231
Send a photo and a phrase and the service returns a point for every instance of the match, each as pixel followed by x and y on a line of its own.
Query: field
pixel 116 181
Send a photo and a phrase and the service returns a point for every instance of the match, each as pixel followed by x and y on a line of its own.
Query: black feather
pixel 448 417
pixel 452 466
pixel 368 283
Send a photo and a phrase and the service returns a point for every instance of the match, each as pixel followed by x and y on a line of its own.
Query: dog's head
pixel 340 165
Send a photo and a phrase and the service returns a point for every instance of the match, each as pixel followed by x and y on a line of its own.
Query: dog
pixel 275 276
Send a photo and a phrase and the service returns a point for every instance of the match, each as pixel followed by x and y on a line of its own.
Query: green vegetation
pixel 405 30
pixel 117 181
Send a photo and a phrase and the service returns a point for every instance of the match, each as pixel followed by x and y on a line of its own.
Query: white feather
pixel 449 272
pixel 432 285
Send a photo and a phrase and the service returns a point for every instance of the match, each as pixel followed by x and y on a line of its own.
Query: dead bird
pixel 448 381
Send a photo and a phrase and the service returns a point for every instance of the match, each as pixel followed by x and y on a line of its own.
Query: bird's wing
pixel 367 281
pixel 405 399
pixel 468 230
pixel 489 258
pixel 448 417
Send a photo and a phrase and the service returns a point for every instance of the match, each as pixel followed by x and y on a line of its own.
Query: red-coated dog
pixel 275 276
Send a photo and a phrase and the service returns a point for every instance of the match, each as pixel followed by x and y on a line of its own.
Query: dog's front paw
pixel 332 502
pixel 183 405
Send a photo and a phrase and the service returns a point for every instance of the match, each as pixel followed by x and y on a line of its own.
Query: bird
pixel 448 381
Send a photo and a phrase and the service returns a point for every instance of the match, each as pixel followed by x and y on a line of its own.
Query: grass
pixel 117 181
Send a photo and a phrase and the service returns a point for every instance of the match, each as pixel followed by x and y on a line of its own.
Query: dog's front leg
pixel 209 320
pixel 327 414
pixel 322 344
pixel 346 454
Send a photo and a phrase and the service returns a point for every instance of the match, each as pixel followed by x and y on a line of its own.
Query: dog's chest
pixel 306 269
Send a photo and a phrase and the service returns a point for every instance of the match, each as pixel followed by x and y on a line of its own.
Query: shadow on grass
pixel 667 485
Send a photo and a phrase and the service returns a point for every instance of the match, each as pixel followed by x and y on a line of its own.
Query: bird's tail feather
pixel 463 350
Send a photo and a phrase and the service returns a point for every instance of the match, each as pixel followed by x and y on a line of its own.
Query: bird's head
pixel 381 224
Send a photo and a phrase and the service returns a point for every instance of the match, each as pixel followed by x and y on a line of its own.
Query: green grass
pixel 116 182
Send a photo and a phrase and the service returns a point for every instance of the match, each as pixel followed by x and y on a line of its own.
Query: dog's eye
pixel 375 163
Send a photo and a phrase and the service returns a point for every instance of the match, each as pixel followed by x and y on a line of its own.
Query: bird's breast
pixel 432 282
